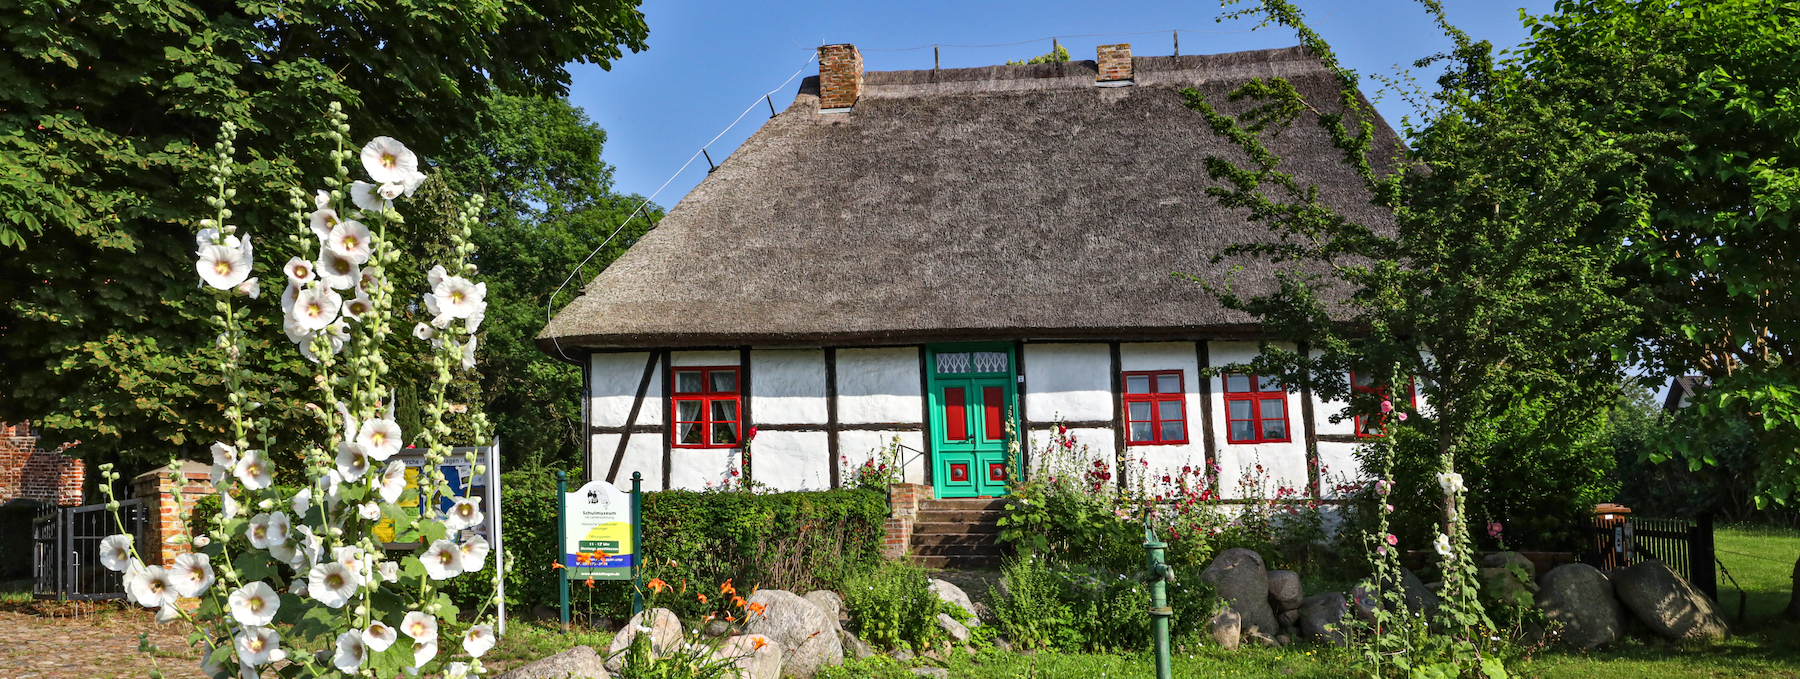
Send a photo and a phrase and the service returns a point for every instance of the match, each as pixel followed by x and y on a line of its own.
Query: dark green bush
pixel 892 606
pixel 1051 605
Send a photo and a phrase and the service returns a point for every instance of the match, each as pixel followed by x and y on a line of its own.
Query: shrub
pixel 794 541
pixel 1050 605
pixel 892 606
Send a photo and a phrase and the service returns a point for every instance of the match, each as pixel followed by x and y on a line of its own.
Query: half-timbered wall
pixel 821 412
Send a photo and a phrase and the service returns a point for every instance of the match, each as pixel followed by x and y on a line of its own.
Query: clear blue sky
pixel 708 61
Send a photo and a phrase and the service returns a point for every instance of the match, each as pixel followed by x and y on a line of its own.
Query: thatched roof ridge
pixel 1004 202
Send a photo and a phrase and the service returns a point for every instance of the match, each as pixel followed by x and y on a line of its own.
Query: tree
pixel 551 203
pixel 106 107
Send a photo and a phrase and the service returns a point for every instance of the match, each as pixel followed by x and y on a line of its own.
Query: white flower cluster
pixel 1451 482
pixel 453 298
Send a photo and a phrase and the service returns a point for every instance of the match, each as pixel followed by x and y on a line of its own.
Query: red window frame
pixel 1155 397
pixel 707 418
pixel 1254 396
pixel 1362 431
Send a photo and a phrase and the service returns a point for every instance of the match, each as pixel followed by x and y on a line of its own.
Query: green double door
pixel 973 392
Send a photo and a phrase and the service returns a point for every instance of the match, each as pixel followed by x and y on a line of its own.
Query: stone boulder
pixel 1226 629
pixel 1504 559
pixel 955 596
pixel 1505 586
pixel 662 626
pixel 1667 603
pixel 808 635
pixel 1418 596
pixel 958 633
pixel 754 655
pixel 831 603
pixel 1581 598
pixel 855 647
pixel 580 662
pixel 1284 590
pixel 1240 579
pixel 1322 618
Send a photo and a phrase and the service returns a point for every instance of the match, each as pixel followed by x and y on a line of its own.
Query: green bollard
pixel 637 543
pixel 1160 612
pixel 562 574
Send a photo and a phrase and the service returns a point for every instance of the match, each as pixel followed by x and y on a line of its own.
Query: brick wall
pixel 1115 62
pixel 29 473
pixel 903 509
pixel 157 490
pixel 840 76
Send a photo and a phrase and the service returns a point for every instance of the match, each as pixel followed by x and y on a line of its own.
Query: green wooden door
pixel 972 393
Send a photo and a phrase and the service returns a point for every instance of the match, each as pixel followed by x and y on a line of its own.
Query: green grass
pixel 528 640
pixel 1761 558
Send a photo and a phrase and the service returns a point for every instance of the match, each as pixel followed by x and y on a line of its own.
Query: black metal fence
pixel 65 555
pixel 1614 541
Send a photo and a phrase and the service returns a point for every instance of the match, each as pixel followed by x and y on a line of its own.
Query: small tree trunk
pixel 1793 609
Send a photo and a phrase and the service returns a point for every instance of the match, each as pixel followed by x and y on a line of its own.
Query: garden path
pixel 34 644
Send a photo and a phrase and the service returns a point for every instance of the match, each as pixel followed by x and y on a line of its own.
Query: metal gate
pixel 1619 540
pixel 65 556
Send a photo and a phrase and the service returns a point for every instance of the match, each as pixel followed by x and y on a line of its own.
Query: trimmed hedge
pixel 793 541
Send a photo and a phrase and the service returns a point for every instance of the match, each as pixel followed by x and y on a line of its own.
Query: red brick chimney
pixel 840 78
pixel 1115 65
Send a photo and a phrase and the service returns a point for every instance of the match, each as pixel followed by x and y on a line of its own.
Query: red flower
pixel 1165 478
pixel 750 434
pixel 734 472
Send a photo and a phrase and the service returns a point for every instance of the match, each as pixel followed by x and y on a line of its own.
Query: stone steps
pixel 957 533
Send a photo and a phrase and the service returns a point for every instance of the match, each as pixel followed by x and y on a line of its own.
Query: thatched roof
pixel 997 202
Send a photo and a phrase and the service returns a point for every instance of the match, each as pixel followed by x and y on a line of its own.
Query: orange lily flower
pixel 557 565
pixel 755 607
pixel 726 588
pixel 757 643
pixel 657 585
pixel 683 586
pixel 702 596
pixel 737 601
pixel 728 618
pixel 590 582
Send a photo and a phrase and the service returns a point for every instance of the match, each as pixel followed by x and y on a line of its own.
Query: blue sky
pixel 707 62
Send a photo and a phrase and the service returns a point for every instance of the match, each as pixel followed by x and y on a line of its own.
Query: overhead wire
pixel 550 304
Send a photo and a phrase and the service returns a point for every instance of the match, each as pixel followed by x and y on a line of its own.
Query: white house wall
pixel 1283 464
pixel 1069 382
pixel 1182 356
pixel 855 447
pixel 644 453
pixel 791 460
pixel 879 386
pixel 613 384
pixel 788 387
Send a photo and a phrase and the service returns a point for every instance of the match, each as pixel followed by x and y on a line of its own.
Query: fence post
pixel 1700 557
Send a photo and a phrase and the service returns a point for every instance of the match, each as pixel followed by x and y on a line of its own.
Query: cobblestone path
pixel 95 645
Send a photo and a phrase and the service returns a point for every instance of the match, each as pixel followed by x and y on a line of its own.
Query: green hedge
pixel 793 541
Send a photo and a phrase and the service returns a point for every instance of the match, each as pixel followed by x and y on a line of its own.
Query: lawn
pixel 1761 558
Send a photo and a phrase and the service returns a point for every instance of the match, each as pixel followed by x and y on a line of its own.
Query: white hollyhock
pixel 328 484
pixel 224 454
pixel 258 646
pixel 391 191
pixel 315 308
pixel 351 556
pixel 378 636
pixel 389 570
pixel 352 460
pixel 322 221
pixel 115 552
pixel 250 288
pixel 1451 482
pixel 209 237
pixel 350 652
pixel 419 626
pixel 475 318
pixel 443 560
pixel 222 267
pixel 388 161
pixel 299 271
pixel 254 604
pixel 456 670
pixel 413 182
pixel 337 271
pixel 474 553
pixel 297 587
pixel 192 574
pixel 379 438
pixel 302 500
pixel 288 296
pixel 423 652
pixel 201 541
pixel 152 588
pixel 272 528
pixel 457 297
pixel 369 511
pixel 368 196
pixel 468 353
pixel 167 614
pixel 435 276
pixel 254 470
pixel 465 513
pixel 358 306
pixel 393 481
pixel 228 506
pixel 1443 546
pixel 286 553
pixel 322 199
pixel 350 240
pixel 422 331
pixel 478 640
pixel 134 571
pixel 332 583
pixel 336 335
pixel 308 543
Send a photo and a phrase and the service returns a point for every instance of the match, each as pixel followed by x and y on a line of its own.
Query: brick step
pixel 919 540
pixel 957 516
pixel 957 550
pixel 965 503
pixel 947 528
pixel 963 562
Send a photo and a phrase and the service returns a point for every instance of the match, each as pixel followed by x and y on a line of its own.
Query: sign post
pixel 597 535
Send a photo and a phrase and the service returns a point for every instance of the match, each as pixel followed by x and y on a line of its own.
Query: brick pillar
pixel 30 473
pixel 840 77
pixel 157 491
pixel 903 508
pixel 1115 63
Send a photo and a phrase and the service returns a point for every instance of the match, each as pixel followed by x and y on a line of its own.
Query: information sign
pixel 598 540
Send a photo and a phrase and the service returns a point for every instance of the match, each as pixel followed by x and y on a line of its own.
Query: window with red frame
pixel 1255 410
pixel 1372 426
pixel 706 408
pixel 1155 408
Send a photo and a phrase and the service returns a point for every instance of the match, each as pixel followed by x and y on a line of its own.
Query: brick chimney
pixel 841 77
pixel 1115 65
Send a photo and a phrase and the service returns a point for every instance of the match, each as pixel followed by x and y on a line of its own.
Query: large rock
pixel 1504 559
pixel 831 603
pixel 807 634
pixel 954 595
pixel 1239 577
pixel 580 662
pixel 1581 598
pixel 1667 603
pixel 662 626
pixel 855 647
pixel 1322 618
pixel 1284 590
pixel 1226 629
pixel 1505 586
pixel 956 630
pixel 754 655
pixel 1418 596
